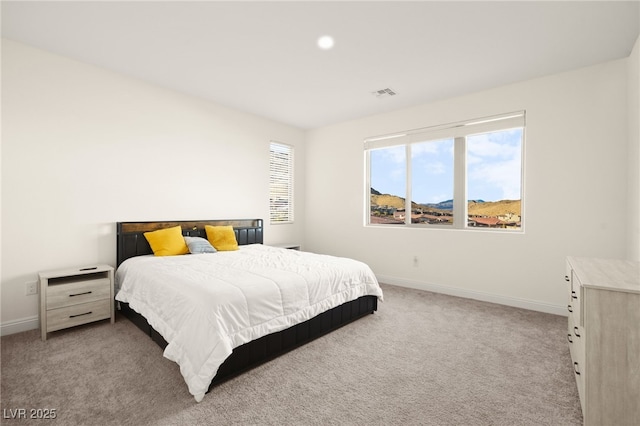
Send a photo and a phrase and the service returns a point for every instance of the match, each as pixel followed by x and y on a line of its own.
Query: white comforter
pixel 204 305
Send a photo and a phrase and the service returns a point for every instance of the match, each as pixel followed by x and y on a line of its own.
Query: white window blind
pixel 451 130
pixel 280 183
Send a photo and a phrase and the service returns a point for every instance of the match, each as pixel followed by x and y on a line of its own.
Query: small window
pixel 280 183
pixel 432 182
pixel 465 175
pixel 494 179
pixel 388 185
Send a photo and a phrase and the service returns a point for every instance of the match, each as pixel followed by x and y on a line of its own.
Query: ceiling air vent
pixel 383 93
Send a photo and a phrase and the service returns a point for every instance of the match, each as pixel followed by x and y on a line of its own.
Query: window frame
pixel 281 172
pixel 458 131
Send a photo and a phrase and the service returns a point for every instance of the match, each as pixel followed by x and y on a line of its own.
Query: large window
pixel 461 175
pixel 280 183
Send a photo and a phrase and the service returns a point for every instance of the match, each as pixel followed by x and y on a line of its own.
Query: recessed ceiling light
pixel 325 42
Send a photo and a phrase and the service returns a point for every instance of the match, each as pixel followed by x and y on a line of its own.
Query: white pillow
pixel 199 245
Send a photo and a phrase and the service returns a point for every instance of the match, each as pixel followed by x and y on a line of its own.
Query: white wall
pixel 83 148
pixel 633 241
pixel 575 192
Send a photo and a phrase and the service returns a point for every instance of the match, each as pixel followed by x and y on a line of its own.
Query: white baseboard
pixel 532 305
pixel 33 323
pixel 18 326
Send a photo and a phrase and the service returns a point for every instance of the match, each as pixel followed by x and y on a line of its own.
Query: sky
pixel 493 168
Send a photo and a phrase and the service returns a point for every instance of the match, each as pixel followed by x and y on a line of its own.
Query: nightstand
pixel 70 297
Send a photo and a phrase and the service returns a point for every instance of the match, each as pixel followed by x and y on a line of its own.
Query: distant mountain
pixel 442 205
pixel 448 204
pixel 496 208
pixel 475 207
pixel 387 200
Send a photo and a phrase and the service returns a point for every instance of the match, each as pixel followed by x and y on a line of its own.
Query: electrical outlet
pixel 31 287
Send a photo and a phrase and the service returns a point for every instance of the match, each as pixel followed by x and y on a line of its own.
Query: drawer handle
pixel 575 331
pixel 575 368
pixel 573 294
pixel 566 278
pixel 80 294
pixel 79 315
pixel 569 338
pixel 569 308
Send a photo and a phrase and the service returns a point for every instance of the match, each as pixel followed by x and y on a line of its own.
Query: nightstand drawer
pixel 70 316
pixel 61 295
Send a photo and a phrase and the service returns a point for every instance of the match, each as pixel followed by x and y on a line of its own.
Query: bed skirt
pixel 266 348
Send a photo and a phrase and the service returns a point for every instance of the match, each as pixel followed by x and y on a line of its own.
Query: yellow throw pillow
pixel 167 242
pixel 221 237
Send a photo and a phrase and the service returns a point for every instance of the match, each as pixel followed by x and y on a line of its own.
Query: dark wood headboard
pixel 131 241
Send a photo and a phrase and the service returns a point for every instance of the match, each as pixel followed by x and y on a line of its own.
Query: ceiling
pixel 261 57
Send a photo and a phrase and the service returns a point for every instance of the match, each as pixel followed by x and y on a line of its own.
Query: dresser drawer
pixel 575 299
pixel 70 316
pixel 576 338
pixel 61 295
pixel 573 291
pixel 567 274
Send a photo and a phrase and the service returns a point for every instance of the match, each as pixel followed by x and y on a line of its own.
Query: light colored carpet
pixel 423 358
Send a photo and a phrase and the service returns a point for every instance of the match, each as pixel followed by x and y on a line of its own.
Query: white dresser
pixel 604 338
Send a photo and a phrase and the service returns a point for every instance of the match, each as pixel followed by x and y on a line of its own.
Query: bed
pixel 267 300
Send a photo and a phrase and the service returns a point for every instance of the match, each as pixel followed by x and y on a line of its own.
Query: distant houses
pixel 508 220
pixel 392 215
